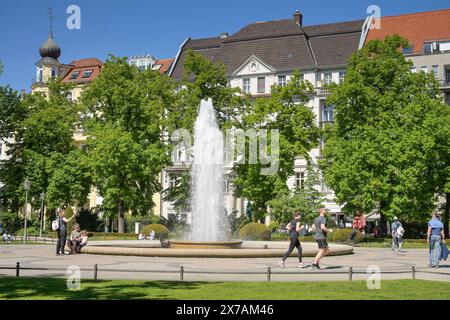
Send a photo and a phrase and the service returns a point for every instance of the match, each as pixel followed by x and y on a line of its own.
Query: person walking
pixel 321 231
pixel 435 238
pixel 294 228
pixel 397 234
pixel 62 231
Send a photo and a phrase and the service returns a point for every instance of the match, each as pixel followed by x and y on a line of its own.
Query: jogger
pixel 294 228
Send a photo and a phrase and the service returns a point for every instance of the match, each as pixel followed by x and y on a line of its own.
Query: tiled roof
pixel 416 27
pixel 281 43
pixel 164 65
pixel 83 67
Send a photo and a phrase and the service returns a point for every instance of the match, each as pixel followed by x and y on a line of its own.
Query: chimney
pixel 298 18
pixel 224 35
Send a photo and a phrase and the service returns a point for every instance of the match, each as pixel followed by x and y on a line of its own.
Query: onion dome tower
pixel 50 48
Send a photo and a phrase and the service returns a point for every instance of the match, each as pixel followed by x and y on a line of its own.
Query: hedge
pixel 160 230
pixel 255 231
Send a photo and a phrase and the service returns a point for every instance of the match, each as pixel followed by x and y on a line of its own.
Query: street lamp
pixel 26 186
pixel 42 214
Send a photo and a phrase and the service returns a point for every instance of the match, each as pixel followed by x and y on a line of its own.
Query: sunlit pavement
pixel 234 269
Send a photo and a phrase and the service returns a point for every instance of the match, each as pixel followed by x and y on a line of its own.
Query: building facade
pixel 428 34
pixel 264 54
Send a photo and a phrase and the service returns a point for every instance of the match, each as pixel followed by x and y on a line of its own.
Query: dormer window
pixel 87 74
pixel 54 73
pixel 74 75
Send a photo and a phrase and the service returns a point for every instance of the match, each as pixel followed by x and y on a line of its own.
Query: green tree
pixel 386 147
pixel 125 117
pixel 287 111
pixel 180 194
pixel 40 128
pixel 306 199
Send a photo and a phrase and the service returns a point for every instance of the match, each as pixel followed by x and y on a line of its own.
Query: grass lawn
pixel 56 288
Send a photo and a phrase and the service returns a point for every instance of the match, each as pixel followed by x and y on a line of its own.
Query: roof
pixel 416 27
pixel 163 65
pixel 283 44
pixel 82 66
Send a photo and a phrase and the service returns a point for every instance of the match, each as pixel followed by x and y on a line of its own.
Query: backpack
pixel 55 224
pixel 400 231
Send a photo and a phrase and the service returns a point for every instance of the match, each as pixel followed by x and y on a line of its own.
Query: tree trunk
pixel 121 219
pixel 447 215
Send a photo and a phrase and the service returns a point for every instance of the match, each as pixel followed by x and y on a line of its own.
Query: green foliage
pixel 173 222
pixel 125 113
pixel 43 130
pixel 31 231
pixel 180 194
pixel 236 223
pixel 274 226
pixel 11 222
pixel 343 235
pixel 88 220
pixel 160 230
pixel 254 231
pixel 287 111
pixel 306 199
pixel 204 79
pixel 389 144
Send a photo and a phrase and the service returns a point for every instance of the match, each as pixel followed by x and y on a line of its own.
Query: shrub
pixel 255 231
pixel 11 222
pixel 342 235
pixel 274 226
pixel 31 231
pixel 160 230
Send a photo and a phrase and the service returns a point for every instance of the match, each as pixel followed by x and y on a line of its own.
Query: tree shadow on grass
pixel 56 288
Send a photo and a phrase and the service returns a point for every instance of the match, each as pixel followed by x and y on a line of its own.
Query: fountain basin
pixel 178 244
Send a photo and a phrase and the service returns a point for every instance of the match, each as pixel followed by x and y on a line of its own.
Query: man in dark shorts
pixel 321 231
pixel 294 228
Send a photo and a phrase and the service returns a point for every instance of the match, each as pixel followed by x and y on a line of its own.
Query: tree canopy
pixel 386 149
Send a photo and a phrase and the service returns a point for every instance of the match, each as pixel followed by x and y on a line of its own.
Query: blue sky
pixel 132 27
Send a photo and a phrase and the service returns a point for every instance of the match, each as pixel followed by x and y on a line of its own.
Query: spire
pixel 50 48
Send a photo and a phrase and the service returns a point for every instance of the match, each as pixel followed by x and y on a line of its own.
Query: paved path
pixel 227 269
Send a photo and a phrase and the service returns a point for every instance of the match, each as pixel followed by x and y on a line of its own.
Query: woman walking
pixel 294 228
pixel 62 231
pixel 435 237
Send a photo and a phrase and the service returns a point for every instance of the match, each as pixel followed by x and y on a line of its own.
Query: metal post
pixel 413 269
pixel 269 272
pixel 41 224
pixel 181 273
pixel 26 186
pixel 95 272
pixel 350 274
pixel 17 269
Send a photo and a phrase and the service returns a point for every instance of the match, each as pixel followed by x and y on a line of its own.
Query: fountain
pixel 208 238
pixel 209 227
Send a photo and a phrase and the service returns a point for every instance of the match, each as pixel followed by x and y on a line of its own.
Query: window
pixel 53 72
pixel 87 74
pixel 40 74
pixel 261 85
pixel 447 76
pixel 173 180
pixel 74 75
pixel 413 69
pixel 408 50
pixel 246 85
pixel 428 48
pixel 300 180
pixel 435 69
pixel 327 113
pixel 302 77
pixel 281 81
pixel 341 76
pixel 424 69
pixel 327 78
pixel 69 96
